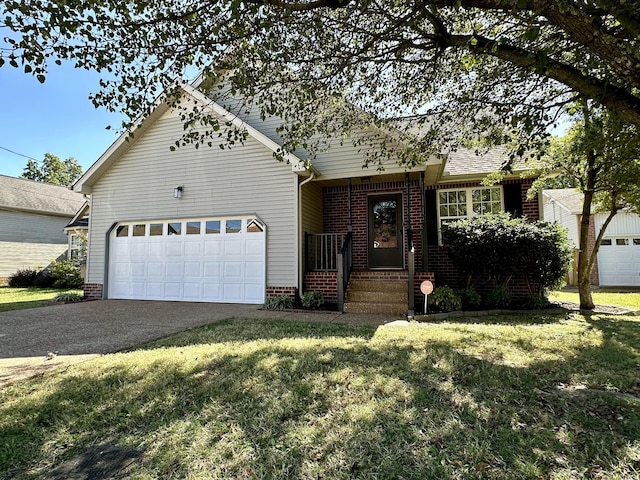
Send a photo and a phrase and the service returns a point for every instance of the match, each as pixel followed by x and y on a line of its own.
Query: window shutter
pixel 513 199
pixel 431 220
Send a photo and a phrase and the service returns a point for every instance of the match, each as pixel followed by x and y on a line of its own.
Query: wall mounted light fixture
pixel 177 192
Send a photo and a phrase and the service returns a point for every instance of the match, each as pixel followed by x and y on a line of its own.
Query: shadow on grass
pixel 7 307
pixel 269 399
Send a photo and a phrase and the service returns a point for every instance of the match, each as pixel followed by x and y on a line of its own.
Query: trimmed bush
pixel 499 247
pixel 23 278
pixel 65 274
pixel 313 300
pixel 471 300
pixel 43 279
pixel 444 299
pixel 499 298
pixel 282 302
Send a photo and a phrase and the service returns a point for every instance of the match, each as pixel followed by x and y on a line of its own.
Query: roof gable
pixel 568 198
pixel 124 142
pixel 30 196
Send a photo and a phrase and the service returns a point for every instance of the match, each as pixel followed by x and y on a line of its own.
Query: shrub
pixel 444 299
pixel 499 247
pixel 471 300
pixel 535 302
pixel 68 297
pixel 313 300
pixel 499 298
pixel 65 274
pixel 23 278
pixel 282 302
pixel 44 279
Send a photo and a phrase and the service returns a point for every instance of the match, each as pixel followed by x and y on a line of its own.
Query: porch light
pixel 177 192
pixel 365 179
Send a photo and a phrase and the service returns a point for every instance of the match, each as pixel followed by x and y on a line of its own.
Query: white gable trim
pixel 84 183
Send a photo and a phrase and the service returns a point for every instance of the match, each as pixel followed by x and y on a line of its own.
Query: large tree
pixel 601 155
pixel 53 170
pixel 455 68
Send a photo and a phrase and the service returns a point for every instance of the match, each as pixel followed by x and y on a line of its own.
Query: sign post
pixel 426 287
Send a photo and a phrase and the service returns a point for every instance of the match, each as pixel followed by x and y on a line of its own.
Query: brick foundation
pixel 290 292
pixel 93 290
pixel 325 282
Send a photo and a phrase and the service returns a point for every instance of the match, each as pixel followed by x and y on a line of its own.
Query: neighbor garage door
pixel 203 259
pixel 619 261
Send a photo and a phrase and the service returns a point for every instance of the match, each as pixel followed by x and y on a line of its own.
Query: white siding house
pixel 33 216
pixel 618 261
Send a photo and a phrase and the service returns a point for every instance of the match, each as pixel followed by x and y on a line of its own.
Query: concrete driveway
pixel 35 340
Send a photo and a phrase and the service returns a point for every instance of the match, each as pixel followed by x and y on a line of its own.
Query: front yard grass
pixel 544 396
pixel 625 300
pixel 19 298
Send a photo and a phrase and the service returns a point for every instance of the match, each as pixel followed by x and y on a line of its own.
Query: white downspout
pixel 299 233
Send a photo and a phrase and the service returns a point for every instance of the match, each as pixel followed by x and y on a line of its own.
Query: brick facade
pixel 93 291
pixel 290 292
pixel 435 265
pixel 325 282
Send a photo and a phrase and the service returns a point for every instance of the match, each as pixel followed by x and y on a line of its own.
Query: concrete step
pixel 367 296
pixel 381 308
pixel 377 285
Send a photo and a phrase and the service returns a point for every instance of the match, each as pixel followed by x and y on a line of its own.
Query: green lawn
pixel 19 298
pixel 547 396
pixel 627 300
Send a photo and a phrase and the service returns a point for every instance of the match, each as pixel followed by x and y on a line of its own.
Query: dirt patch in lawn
pixel 14 370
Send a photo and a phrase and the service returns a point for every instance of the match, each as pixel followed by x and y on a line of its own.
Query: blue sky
pixel 55 117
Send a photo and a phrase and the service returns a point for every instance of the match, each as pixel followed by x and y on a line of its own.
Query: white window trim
pixel 470 212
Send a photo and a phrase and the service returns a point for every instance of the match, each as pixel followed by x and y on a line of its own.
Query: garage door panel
pixel 212 269
pixel 193 269
pixel 232 271
pixel 232 293
pixel 173 247
pixel 619 262
pixel 212 247
pixel 193 249
pixel 155 290
pixel 155 269
pixel 214 265
pixel 192 291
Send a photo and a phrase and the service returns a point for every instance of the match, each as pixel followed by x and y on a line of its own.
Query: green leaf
pixel 41 78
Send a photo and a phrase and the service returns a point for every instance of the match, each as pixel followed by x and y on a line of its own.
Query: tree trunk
pixel 584 266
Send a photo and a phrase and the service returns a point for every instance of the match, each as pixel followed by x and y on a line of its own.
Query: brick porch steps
pixel 382 295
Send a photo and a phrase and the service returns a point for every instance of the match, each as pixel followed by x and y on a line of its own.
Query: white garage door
pixel 619 261
pixel 200 260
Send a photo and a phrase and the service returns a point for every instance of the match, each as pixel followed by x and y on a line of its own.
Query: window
pixel 174 228
pixel 636 241
pixel 622 241
pixel 193 228
pixel 605 242
pixel 122 231
pixel 233 226
pixel 468 202
pixel 212 227
pixel 78 246
pixel 254 226
pixel 139 230
pixel 155 229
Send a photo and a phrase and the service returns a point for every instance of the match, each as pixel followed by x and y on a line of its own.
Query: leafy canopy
pixel 452 69
pixel 53 170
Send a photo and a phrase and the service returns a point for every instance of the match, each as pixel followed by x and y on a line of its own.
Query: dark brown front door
pixel 385 231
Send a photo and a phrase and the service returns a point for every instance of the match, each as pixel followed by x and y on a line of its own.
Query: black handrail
pixel 345 265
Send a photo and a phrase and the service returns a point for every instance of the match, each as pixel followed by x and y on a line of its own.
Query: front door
pixel 385 231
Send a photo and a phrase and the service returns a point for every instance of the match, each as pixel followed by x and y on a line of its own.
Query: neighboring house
pixel 234 225
pixel 77 231
pixel 33 216
pixel 618 260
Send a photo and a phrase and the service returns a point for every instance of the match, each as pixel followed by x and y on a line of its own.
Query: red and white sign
pixel 426 287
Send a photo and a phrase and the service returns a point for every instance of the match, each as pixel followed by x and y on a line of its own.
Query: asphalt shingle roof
pixel 22 194
pixel 569 198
